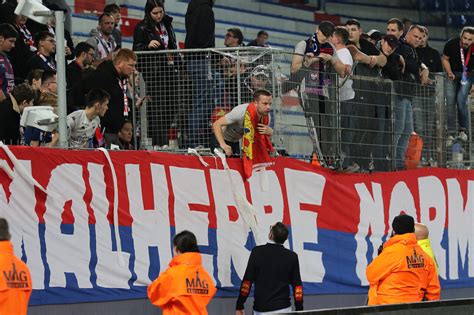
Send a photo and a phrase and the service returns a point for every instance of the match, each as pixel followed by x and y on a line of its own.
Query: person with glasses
pixel 49 82
pixel 44 57
pixel 272 280
pixel 84 56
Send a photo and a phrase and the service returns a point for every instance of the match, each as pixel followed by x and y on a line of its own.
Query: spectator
pixel 112 76
pixel 458 63
pixel 366 108
pixel 422 233
pixel 34 78
pixel 82 124
pixel 11 108
pixel 419 72
pixel 44 57
pixel 233 37
pixel 306 65
pixel 24 47
pixel 403 272
pixel 374 36
pixel 36 137
pixel 273 268
pixel 51 28
pixel 428 55
pixel 200 33
pixel 8 36
pixel 261 40
pixel 17 286
pixel 74 71
pixel 114 10
pixel 228 139
pixel 346 94
pixel 102 40
pixel 414 72
pixel 185 287
pixel 407 23
pixel 155 33
pixel 125 135
pixel 200 24
pixel 49 82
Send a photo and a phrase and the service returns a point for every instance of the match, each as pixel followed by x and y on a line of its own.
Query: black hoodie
pixel 200 25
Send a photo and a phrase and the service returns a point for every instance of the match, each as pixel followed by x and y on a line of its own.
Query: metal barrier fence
pixel 362 122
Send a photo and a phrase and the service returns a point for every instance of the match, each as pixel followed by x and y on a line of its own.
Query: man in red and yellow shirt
pixel 403 272
pixel 15 278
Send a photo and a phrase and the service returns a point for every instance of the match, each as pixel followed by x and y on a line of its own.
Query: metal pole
pixel 134 115
pixel 239 95
pixel 61 78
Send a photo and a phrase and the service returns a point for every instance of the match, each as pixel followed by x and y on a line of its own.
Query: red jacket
pixel 402 273
pixel 15 282
pixel 184 288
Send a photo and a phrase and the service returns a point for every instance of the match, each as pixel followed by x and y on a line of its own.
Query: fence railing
pixel 361 120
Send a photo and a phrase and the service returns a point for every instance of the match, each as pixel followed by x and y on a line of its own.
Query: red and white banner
pixel 76 251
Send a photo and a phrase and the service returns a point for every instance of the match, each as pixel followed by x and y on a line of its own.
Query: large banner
pixel 79 251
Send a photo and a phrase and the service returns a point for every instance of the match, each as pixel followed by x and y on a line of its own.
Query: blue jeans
pixel 403 128
pixel 200 114
pixel 456 96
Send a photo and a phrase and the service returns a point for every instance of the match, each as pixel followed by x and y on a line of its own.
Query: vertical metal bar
pixel 61 79
pixel 393 103
pixel 239 94
pixel 134 114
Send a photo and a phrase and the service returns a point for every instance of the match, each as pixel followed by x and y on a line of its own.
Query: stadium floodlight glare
pixel 41 117
pixel 29 7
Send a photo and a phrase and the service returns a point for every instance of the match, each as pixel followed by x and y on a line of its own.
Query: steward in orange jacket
pixel 185 287
pixel 15 278
pixel 403 272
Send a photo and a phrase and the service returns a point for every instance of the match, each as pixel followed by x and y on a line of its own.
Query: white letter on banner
pixel 268 204
pixel 232 232
pixel 149 227
pixel 190 188
pixel 371 217
pixel 433 195
pixel 109 273
pixel 461 227
pixel 67 253
pixel 22 219
pixel 401 200
pixel 304 223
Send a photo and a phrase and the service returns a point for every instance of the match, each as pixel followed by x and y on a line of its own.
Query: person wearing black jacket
pixel 155 33
pixel 273 268
pixel 112 76
pixel 11 108
pixel 200 33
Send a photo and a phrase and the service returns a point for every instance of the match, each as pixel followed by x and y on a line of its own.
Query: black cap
pixel 403 224
pixel 326 27
pixel 392 41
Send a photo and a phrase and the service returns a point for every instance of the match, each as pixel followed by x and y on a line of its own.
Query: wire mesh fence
pixel 362 122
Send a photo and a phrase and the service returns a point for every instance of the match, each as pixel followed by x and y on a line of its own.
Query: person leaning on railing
pixel 229 129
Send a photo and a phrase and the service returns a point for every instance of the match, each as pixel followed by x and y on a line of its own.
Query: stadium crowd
pixel 99 66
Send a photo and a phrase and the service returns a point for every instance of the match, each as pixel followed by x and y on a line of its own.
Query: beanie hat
pixel 403 224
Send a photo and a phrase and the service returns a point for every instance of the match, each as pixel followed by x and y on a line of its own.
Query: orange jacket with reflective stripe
pixel 402 273
pixel 184 288
pixel 15 282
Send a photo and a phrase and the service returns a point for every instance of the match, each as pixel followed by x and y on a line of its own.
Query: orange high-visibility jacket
pixel 15 282
pixel 402 273
pixel 184 288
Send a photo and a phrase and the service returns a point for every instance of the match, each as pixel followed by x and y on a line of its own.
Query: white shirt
pixel 80 129
pixel 345 92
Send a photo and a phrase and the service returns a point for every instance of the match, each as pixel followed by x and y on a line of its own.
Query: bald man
pixel 422 233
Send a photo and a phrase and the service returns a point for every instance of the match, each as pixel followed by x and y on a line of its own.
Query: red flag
pixel 256 146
